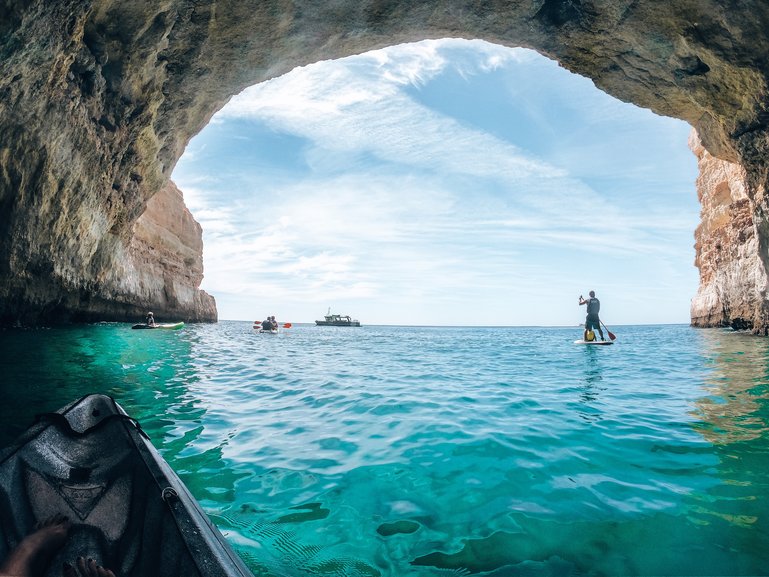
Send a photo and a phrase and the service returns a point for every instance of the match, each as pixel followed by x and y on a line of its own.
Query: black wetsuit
pixel 592 321
pixel 267 325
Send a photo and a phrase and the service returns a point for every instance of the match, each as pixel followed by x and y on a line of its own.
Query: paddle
pixel 288 326
pixel 612 336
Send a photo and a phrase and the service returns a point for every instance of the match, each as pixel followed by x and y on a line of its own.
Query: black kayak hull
pixel 129 511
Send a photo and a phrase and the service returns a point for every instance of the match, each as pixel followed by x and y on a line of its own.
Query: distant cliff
pixel 163 265
pixel 98 99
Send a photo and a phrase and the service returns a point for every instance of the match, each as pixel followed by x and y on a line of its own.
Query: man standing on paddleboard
pixel 592 321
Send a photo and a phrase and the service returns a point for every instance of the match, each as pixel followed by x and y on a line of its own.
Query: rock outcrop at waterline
pixel 99 97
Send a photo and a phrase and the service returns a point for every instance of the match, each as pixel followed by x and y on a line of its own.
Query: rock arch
pixel 98 99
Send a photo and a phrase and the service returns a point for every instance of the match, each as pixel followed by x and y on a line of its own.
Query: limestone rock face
pixel 732 273
pixel 98 99
pixel 163 265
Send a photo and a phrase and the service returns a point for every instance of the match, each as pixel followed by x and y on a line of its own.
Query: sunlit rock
pixel 732 273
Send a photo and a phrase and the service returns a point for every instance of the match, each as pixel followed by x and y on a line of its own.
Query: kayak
pixel 128 510
pixel 583 342
pixel 170 326
pixel 258 327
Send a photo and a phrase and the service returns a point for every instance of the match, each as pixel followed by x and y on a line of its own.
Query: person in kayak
pixel 85 568
pixel 267 324
pixel 592 321
pixel 150 319
pixel 32 556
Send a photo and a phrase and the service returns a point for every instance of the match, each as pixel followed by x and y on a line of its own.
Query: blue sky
pixel 444 182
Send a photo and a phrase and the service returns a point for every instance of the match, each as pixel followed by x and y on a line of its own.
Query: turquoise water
pixel 400 451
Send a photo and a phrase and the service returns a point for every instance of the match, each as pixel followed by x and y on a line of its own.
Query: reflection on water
pixel 593 377
pixel 738 386
pixel 734 417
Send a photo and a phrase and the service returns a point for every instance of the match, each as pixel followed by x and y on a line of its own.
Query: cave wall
pixel 99 98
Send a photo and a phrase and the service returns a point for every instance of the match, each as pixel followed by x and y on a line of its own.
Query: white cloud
pixel 397 202
pixel 350 106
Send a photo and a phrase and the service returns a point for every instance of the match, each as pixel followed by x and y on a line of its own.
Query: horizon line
pixel 578 325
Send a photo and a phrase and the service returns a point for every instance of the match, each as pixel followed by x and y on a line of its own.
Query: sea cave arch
pixel 98 100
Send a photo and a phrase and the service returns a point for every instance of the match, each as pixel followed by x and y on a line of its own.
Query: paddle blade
pixel 612 336
pixel 286 325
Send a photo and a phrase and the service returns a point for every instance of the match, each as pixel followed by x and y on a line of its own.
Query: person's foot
pixel 85 568
pixel 32 555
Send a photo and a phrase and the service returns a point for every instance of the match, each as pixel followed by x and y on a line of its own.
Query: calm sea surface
pixel 405 451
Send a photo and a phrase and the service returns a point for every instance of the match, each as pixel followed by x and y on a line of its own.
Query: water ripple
pixel 501 451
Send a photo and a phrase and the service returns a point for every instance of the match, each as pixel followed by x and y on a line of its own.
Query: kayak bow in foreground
pixel 128 510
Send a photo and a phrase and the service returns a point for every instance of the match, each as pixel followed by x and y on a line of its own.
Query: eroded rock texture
pixel 98 99
pixel 732 272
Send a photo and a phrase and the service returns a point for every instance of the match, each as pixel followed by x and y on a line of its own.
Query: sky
pixel 445 182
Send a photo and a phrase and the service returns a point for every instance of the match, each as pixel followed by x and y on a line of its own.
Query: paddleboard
pixel 582 342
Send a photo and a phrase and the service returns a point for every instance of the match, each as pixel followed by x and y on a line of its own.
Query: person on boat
pixel 32 556
pixel 151 319
pixel 274 323
pixel 592 321
pixel 85 568
pixel 267 324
